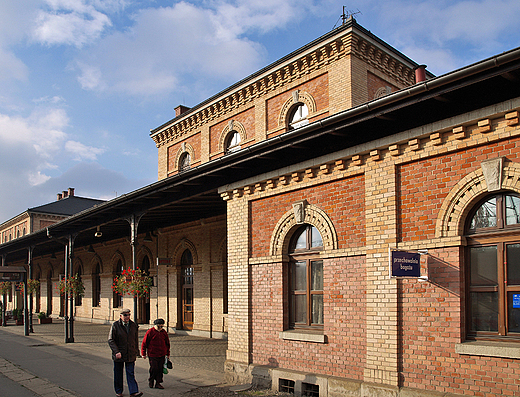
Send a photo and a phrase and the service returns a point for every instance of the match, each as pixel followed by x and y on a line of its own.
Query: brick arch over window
pixel 185 148
pixel 311 215
pixel 115 258
pixel 94 261
pixel 144 251
pixel 181 247
pixel 77 267
pixel 233 125
pixel 460 199
pixel 296 97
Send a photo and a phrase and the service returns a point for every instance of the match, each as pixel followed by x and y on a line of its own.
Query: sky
pixel 82 82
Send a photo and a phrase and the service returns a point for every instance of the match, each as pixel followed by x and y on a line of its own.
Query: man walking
pixel 156 345
pixel 123 340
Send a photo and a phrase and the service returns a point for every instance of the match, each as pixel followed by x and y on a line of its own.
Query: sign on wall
pixel 405 264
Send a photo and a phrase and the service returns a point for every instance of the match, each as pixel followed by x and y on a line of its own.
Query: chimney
pixel 180 110
pixel 71 191
pixel 65 194
pixel 59 197
pixel 420 73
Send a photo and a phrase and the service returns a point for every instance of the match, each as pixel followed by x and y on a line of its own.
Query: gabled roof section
pixel 66 206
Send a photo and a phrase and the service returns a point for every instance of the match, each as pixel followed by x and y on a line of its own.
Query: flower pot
pixel 19 322
pixel 47 320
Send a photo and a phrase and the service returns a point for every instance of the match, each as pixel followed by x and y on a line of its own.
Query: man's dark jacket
pixel 122 341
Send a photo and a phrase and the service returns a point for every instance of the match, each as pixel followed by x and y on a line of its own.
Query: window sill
pixel 489 349
pixel 304 336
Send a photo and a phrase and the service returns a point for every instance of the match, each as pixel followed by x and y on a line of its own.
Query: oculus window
pixel 493 264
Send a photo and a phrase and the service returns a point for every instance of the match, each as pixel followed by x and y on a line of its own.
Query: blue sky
pixel 82 82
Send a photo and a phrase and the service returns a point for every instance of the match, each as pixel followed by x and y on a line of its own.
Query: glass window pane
pixel 317 275
pixel 299 276
pixel 513 312
pixel 300 309
pixel 484 311
pixel 513 264
pixel 486 215
pixel 317 309
pixel 483 266
pixel 301 243
pixel 316 240
pixel 512 210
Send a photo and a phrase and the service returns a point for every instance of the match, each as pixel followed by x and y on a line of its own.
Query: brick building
pixel 282 200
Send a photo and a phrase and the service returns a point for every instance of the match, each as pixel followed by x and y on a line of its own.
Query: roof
pixel 66 206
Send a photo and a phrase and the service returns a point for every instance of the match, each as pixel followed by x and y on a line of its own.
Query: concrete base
pixel 329 386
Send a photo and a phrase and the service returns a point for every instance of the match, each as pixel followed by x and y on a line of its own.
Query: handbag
pixel 169 364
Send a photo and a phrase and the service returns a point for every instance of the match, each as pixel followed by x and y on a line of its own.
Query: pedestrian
pixel 123 340
pixel 156 344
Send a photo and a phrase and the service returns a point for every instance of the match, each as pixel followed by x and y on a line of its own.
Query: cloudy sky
pixel 82 82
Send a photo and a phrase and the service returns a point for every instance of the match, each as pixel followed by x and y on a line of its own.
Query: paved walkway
pixel 42 364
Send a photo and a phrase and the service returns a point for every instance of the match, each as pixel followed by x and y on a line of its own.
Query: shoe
pixel 150 384
pixel 139 394
pixel 159 386
pixel 119 395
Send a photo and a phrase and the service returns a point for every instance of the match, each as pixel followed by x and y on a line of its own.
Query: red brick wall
pixel 344 321
pixel 425 184
pixel 343 201
pixel 431 315
pixel 374 83
pixel 317 87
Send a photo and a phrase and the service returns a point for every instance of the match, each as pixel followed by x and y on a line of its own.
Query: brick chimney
pixel 65 193
pixel 71 191
pixel 180 110
pixel 59 197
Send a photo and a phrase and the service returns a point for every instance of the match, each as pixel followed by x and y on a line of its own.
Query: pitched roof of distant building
pixel 66 206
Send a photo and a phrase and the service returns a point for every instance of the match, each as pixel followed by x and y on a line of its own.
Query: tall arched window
pixel 96 286
pixel 78 298
pixel 298 116
pixel 233 142
pixel 493 262
pixel 118 300
pixel 306 279
pixel 187 299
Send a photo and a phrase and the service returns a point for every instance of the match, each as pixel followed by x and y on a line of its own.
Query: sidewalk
pixel 47 366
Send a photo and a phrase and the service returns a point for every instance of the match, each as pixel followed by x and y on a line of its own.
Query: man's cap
pixel 159 321
pixel 125 311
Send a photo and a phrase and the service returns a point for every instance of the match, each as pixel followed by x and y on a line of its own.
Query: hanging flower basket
pixel 5 287
pixel 71 286
pixel 132 282
pixel 33 286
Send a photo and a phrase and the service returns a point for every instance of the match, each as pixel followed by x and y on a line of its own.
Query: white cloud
pixel 83 152
pixel 70 22
pixel 172 44
pixel 37 178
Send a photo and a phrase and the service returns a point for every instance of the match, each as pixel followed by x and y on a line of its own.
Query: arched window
pixel 78 299
pixel 184 162
pixel 187 300
pixel 493 261
pixel 233 142
pixel 298 116
pixel 118 300
pixel 96 286
pixel 306 279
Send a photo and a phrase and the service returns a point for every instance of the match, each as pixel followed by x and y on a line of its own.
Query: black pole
pixel 30 295
pixel 65 297
pixel 25 311
pixel 71 303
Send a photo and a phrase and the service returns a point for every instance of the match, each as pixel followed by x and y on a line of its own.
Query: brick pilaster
pixel 381 296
